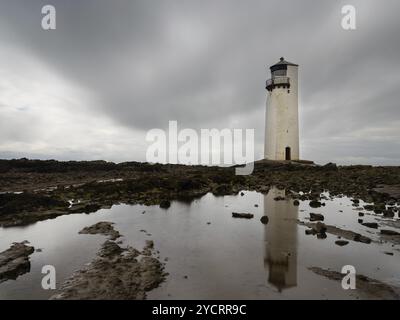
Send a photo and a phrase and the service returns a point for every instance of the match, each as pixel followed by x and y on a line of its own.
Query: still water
pixel 209 254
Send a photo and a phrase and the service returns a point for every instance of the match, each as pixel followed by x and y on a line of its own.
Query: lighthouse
pixel 282 114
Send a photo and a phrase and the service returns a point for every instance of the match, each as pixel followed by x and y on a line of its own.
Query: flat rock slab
pixel 15 261
pixel 264 219
pixel 116 273
pixel 104 228
pixel 390 233
pixel 341 243
pixel 242 215
pixel 316 217
pixel 372 225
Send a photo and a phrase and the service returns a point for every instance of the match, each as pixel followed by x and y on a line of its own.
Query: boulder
pixel 165 204
pixel 372 225
pixel 242 215
pixel 341 242
pixel 315 204
pixel 316 217
pixel 264 219
pixel 15 261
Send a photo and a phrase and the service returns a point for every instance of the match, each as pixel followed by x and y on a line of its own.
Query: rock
pixel 84 207
pixel 320 227
pixel 15 203
pixel 361 214
pixel 341 242
pixel 390 190
pixel 321 235
pixel 242 194
pixel 388 213
pixel 379 208
pixel 316 217
pixel 116 273
pixel 296 203
pixel 242 215
pixel 360 238
pixel 315 204
pixel 360 221
pixel 388 253
pixel 109 249
pixel 15 261
pixel 150 244
pixel 222 190
pixel 347 234
pixel 372 225
pixel 165 204
pixel 330 167
pixel 104 228
pixel 264 220
pixel 389 232
pixel 256 205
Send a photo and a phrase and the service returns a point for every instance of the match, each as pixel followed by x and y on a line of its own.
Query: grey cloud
pixel 202 62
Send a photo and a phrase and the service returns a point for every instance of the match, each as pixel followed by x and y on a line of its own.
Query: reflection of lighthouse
pixel 280 237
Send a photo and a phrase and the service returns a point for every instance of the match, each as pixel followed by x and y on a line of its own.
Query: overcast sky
pixel 112 70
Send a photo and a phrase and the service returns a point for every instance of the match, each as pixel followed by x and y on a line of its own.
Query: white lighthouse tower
pixel 282 115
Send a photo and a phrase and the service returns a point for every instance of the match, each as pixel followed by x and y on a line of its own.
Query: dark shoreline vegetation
pixel 34 190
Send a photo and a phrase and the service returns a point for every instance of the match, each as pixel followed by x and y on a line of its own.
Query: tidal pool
pixel 209 254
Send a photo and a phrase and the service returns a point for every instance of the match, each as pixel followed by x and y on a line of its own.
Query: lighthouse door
pixel 287 153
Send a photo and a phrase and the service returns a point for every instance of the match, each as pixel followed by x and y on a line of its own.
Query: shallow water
pixel 226 259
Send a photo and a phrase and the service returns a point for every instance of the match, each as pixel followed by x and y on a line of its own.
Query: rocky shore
pixel 15 261
pixel 33 190
pixel 116 273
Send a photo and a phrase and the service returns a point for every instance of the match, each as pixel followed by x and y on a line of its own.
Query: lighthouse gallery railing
pixel 278 81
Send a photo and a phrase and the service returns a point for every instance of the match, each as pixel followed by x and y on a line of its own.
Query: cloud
pixel 113 70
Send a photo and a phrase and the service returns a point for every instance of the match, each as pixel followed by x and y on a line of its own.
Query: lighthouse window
pixel 279 73
pixel 288 91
